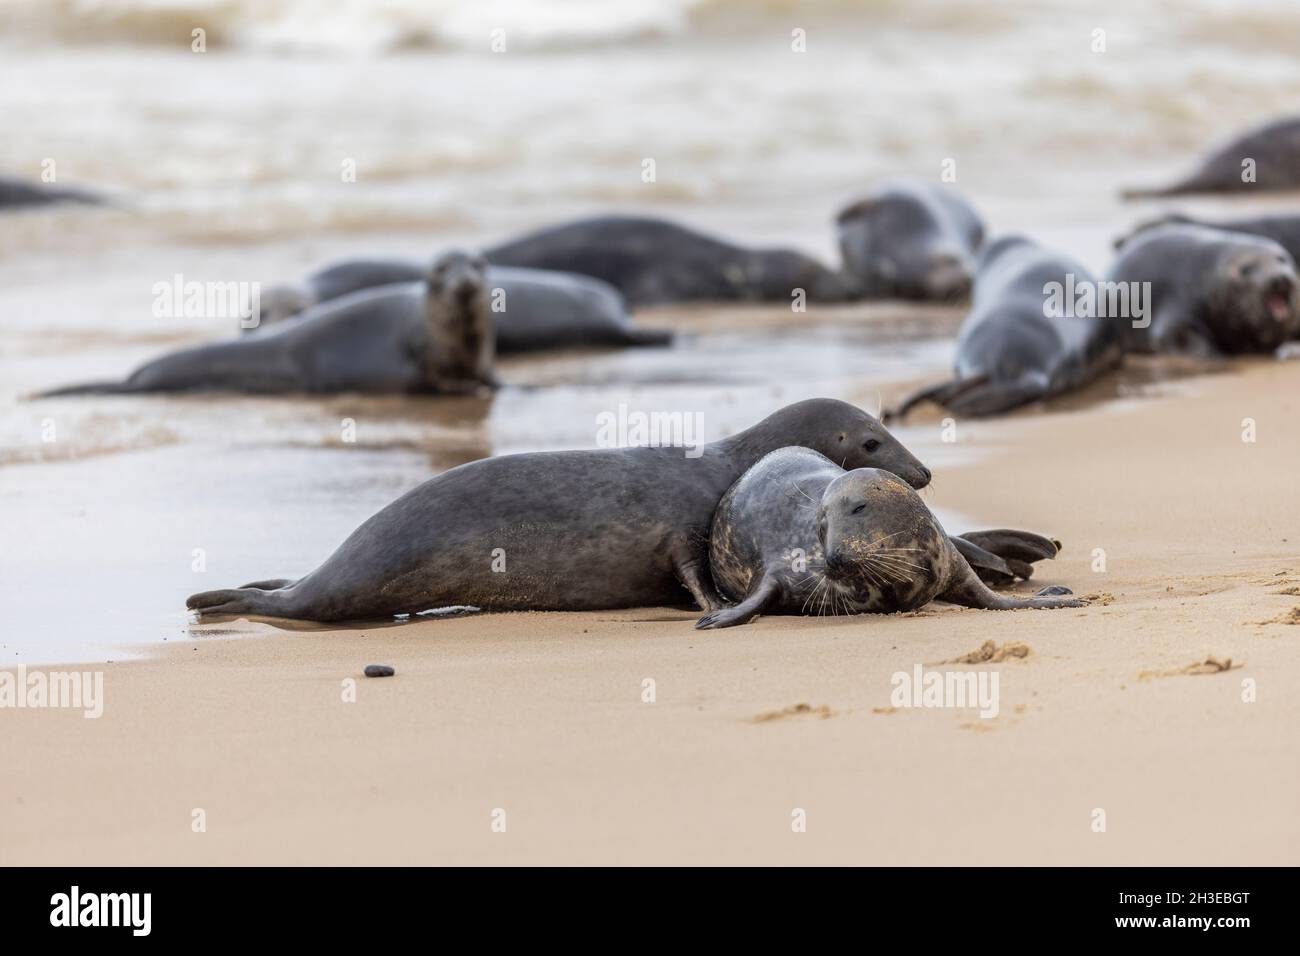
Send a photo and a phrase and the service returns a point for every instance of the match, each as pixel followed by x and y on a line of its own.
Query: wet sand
pixel 542 715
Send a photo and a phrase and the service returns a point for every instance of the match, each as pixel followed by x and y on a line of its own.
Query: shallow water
pixel 225 166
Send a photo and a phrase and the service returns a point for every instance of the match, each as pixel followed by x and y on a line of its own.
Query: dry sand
pixel 542 715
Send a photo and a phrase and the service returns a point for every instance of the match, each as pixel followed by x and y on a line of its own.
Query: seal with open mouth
pixel 1213 292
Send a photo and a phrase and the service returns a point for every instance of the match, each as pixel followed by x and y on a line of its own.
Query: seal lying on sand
pixel 18 194
pixel 911 240
pixel 438 341
pixel 1212 292
pixel 652 261
pixel 1013 348
pixel 799 534
pixel 1274 149
pixel 531 308
pixel 571 530
pixel 1282 228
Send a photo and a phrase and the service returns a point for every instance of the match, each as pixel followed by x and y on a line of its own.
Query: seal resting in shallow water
pixel 531 308
pixel 437 341
pixel 799 534
pixel 653 261
pixel 573 530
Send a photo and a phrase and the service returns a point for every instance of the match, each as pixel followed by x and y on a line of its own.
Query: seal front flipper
pixel 996 397
pixel 745 611
pixel 940 394
pixel 966 589
pixel 691 572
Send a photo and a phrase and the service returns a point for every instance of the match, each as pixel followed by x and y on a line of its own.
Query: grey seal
pixel 1273 146
pixel 532 309
pixel 437 341
pixel 1282 228
pixel 1213 292
pixel 1013 349
pixel 20 194
pixel 573 530
pixel 911 239
pixel 799 534
pixel 653 261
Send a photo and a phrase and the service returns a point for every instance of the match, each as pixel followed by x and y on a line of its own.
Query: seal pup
pixel 1274 148
pixel 1213 293
pixel 798 534
pixel 573 530
pixel 532 309
pixel 439 341
pixel 20 194
pixel 911 239
pixel 653 261
pixel 1013 349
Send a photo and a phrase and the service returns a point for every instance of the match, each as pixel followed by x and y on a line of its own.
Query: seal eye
pixel 859 509
pixel 871 444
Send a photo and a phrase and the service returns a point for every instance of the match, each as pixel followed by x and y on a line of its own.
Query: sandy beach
pixel 250 144
pixel 544 716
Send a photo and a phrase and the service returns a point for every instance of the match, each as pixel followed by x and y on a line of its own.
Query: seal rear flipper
pixel 966 589
pixel 88 388
pixel 745 611
pixel 272 584
pixel 991 568
pixel 940 394
pixel 635 335
pixel 1024 546
pixel 238 601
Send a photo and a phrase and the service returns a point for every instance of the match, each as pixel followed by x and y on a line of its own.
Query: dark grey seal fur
pixel 539 309
pixel 438 340
pixel 653 261
pixel 1282 228
pixel 1213 292
pixel 799 534
pixel 1275 148
pixel 1010 352
pixel 911 240
pixel 579 530
pixel 21 194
